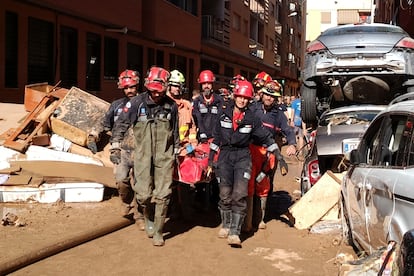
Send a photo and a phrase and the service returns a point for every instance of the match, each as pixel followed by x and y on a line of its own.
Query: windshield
pixel 349 118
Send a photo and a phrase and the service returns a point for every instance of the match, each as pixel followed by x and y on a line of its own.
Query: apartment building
pixel 87 43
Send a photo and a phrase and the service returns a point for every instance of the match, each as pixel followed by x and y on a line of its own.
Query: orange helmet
pixel 261 79
pixel 243 88
pixel 157 79
pixel 128 78
pixel 206 76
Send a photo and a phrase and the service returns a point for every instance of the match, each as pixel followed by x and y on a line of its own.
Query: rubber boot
pixel 225 224
pixel 159 220
pixel 139 218
pixel 149 219
pixel 263 200
pixel 248 222
pixel 236 223
pixel 126 194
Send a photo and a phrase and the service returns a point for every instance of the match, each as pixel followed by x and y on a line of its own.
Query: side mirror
pixel 355 157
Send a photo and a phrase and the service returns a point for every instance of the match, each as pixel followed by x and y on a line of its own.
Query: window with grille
pixel 40 58
pixel 93 62
pixel 11 42
pixel 111 56
pixel 68 56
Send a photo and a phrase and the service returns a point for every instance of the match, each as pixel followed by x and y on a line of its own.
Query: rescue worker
pixel 186 126
pixel 123 169
pixel 261 181
pixel 259 81
pixel 206 107
pixel 182 195
pixel 154 118
pixel 236 128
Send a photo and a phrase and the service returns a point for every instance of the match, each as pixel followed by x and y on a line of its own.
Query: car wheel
pixel 304 184
pixel 309 110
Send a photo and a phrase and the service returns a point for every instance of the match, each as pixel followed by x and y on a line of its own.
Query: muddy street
pixel 191 248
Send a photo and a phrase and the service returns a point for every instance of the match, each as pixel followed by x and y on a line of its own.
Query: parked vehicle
pixel 377 193
pixel 338 132
pixel 356 64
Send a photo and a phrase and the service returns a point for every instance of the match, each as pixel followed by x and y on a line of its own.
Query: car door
pixel 354 190
pixel 388 199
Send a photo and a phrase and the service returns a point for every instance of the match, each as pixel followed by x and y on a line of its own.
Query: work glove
pixel 282 163
pixel 91 144
pixel 283 166
pixel 115 156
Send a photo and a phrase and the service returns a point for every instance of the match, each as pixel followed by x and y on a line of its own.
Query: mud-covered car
pixel 356 64
pixel 377 192
pixel 338 132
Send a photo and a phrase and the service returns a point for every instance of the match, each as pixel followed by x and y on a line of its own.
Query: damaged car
pixel 356 64
pixel 338 132
pixel 377 192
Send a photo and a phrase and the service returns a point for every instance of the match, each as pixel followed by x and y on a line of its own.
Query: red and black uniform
pixel 205 113
pixel 275 122
pixel 232 135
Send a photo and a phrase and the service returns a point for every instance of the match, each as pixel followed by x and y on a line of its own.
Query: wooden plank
pixel 72 170
pixel 317 201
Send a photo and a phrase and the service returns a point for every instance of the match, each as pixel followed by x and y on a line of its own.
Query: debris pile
pixel 44 157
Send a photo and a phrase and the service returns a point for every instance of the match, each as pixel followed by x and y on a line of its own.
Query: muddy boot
pixel 225 224
pixel 236 223
pixel 159 220
pixel 139 218
pixel 149 219
pixel 262 224
pixel 248 221
pixel 126 194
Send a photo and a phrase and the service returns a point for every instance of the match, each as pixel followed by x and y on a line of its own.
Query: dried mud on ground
pixel 191 248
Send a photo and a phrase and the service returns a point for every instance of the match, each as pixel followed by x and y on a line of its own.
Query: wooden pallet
pixel 35 122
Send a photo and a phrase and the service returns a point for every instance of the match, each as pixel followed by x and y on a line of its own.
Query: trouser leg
pixel 248 222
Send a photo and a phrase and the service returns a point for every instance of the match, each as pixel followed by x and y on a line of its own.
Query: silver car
pixel 338 132
pixel 356 64
pixel 378 189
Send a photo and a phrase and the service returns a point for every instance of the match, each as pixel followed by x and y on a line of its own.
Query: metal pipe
pixel 9 266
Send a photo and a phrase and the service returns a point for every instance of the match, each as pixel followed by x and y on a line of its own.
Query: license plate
pixel 349 145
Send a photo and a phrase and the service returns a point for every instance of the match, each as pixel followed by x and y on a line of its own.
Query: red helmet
pixel 206 76
pixel 224 92
pixel 244 89
pixel 157 79
pixel 128 78
pixel 234 80
pixel 261 79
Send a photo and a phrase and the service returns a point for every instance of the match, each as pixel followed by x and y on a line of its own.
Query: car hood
pixel 329 139
pixel 360 43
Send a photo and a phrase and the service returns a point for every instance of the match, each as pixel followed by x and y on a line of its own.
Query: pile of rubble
pixel 44 157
